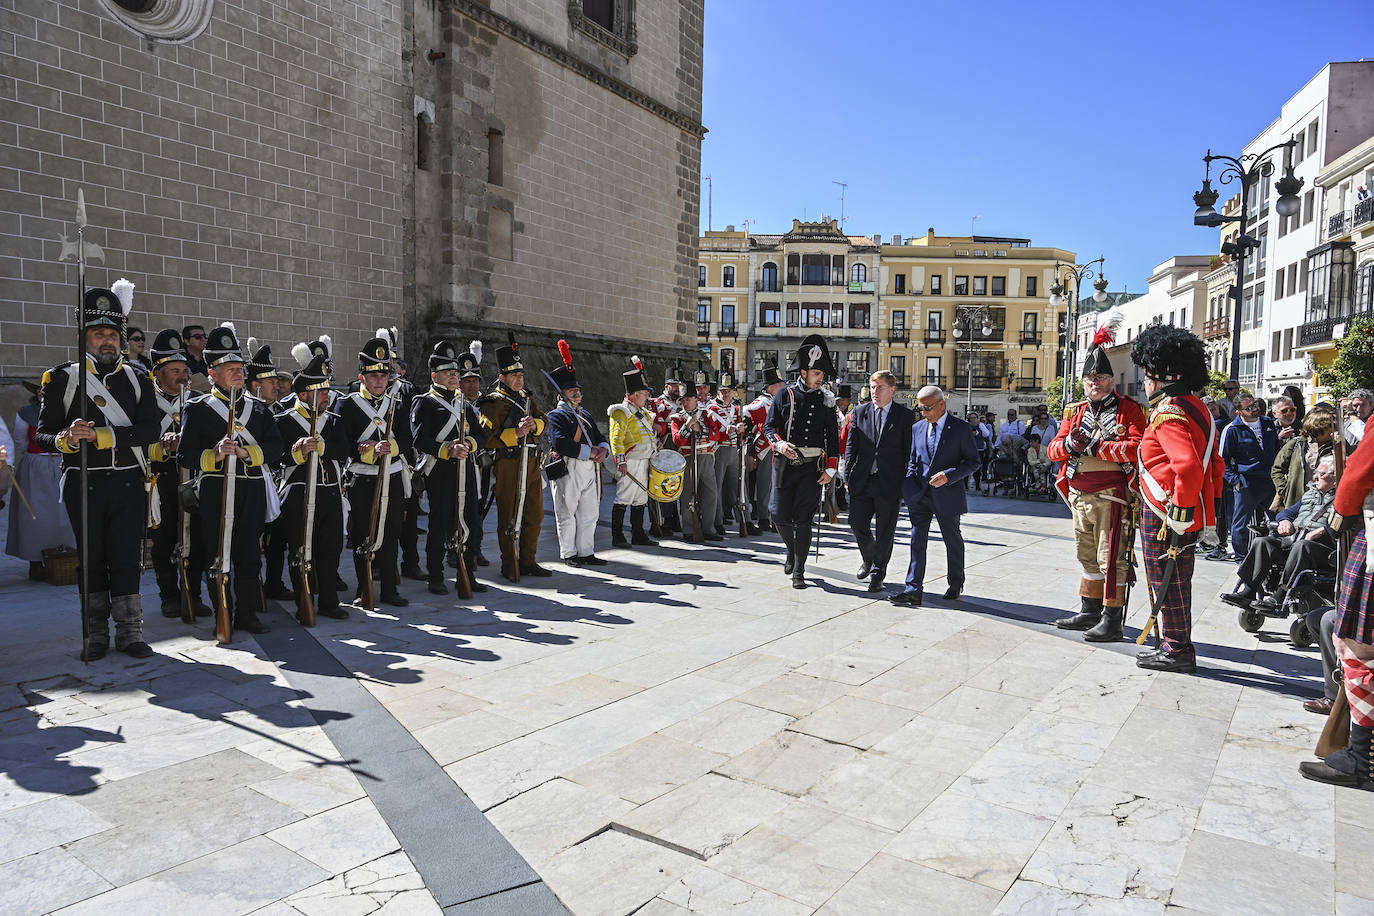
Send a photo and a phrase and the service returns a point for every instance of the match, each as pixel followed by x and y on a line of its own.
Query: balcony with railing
pixel 1028 383
pixel 1030 338
pixel 703 329
pixel 1364 212
pixel 936 336
pixel 993 382
pixel 1323 330
pixel 898 336
pixel 728 330
pixel 767 286
pixel 932 378
pixel 1338 224
pixel 1219 326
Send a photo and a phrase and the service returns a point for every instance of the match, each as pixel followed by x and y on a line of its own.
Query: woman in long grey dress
pixel 38 474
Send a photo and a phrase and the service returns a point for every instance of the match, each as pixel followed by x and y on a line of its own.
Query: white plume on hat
pixel 302 353
pixel 475 348
pixel 328 347
pixel 124 292
pixel 1111 318
pixel 230 325
pixel 252 345
pixel 385 334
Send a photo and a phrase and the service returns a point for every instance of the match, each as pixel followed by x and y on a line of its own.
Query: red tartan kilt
pixel 1355 603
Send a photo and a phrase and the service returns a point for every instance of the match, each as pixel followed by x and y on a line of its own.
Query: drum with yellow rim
pixel 666 470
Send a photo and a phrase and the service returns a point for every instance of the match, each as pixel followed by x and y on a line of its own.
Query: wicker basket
pixel 60 565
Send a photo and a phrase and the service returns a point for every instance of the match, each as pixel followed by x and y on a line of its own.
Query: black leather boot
pixel 1108 629
pixel 1088 616
pixel 1351 767
pixel 618 526
pixel 637 535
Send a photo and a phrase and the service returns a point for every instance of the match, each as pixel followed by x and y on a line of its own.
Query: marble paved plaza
pixel 676 732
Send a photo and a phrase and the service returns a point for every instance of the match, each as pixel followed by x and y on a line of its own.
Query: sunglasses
pixel 135 340
pixel 926 408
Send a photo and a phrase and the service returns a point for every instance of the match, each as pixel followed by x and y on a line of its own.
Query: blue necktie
pixel 934 430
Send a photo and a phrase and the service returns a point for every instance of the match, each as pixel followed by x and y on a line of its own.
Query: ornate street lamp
pixel 1248 169
pixel 971 316
pixel 1076 273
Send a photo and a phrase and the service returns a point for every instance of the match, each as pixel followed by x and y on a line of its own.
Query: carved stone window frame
pixel 623 40
pixel 172 21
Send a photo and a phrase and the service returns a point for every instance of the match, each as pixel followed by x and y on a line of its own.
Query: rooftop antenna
pixel 842 185
pixel 710 194
pixel 971 222
pixel 744 226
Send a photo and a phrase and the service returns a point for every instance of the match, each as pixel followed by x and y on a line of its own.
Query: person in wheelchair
pixel 1008 463
pixel 1301 541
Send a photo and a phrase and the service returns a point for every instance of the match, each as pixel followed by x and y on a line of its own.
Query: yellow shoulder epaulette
pixel 1070 408
pixel 1165 412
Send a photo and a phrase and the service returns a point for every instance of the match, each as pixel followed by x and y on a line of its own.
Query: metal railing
pixel 1031 383
pixel 1338 224
pixel 728 330
pixel 703 329
pixel 897 335
pixel 1364 212
pixel 936 336
pixel 1322 330
pixel 1030 338
pixel 983 381
pixel 931 378
pixel 900 378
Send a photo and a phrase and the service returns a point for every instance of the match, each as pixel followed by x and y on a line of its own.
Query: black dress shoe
pixel 593 560
pixel 475 585
pixel 786 566
pixel 482 560
pixel 953 592
pixel 138 649
pixel 395 599
pixel 618 539
pixel 438 588
pixel 911 599
pixel 574 561
pixel 204 610
pixel 415 571
pixel 279 592
pixel 534 569
pixel 865 570
pixel 252 625
pixel 1159 660
pixel 752 528
pixel 171 609
pixel 798 581
pixel 339 584
pixel 875 585
pixel 337 613
pixel 640 539
pixel 38 573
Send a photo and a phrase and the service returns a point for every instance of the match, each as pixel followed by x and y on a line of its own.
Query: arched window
pixel 770 278
pixel 859 273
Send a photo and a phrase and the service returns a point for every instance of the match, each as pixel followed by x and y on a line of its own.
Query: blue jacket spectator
pixel 1249 446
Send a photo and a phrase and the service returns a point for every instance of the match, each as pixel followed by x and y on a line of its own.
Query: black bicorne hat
pixel 259 365
pixel 168 347
pixel 110 308
pixel 222 346
pixel 814 354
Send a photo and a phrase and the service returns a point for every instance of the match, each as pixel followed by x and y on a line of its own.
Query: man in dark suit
pixel 943 453
pixel 875 460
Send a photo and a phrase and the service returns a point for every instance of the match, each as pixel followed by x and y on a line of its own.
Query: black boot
pixel 618 526
pixel 1351 767
pixel 1243 596
pixel 799 572
pixel 1108 629
pixel 1088 616
pixel 788 533
pixel 637 536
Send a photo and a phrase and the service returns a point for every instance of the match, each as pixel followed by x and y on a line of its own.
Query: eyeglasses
pixel 136 339
pixel 926 408
pixel 1288 410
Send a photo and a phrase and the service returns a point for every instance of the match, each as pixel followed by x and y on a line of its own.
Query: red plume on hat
pixel 1107 324
pixel 514 345
pixel 637 363
pixel 565 351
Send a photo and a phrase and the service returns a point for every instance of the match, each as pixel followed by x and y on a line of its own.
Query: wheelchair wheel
pixel 1298 633
pixel 1251 621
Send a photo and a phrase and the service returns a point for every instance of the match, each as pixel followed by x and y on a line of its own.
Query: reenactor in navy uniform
pixel 445 426
pixel 512 423
pixel 118 419
pixel 260 380
pixel 310 406
pixel 257 445
pixel 803 429
pixel 578 445
pixel 171 381
pixel 364 417
pixel 470 383
pixel 409 545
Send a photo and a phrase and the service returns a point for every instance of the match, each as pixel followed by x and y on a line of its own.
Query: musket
pixel 305 602
pixel 459 539
pixel 83 551
pixel 183 548
pixel 698 535
pixel 381 493
pixel 518 518
pixel 14 484
pixel 224 627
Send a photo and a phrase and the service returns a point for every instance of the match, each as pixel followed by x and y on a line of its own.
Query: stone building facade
pixel 449 166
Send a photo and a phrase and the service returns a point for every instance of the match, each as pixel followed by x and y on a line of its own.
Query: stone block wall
pixel 253 173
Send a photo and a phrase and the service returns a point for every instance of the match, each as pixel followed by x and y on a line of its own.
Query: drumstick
pixel 5 466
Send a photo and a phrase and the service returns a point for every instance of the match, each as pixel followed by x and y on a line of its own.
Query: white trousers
pixel 575 509
pixel 627 492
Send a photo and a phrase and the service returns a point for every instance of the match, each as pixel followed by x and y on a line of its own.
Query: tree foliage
pixel 1216 383
pixel 1055 395
pixel 1354 365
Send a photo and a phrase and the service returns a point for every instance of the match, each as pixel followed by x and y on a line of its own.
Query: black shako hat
pixel 168 347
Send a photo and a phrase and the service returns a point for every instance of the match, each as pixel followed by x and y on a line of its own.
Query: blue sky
pixel 1080 125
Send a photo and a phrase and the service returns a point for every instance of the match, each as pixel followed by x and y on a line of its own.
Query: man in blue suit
pixel 1249 446
pixel 875 459
pixel 943 454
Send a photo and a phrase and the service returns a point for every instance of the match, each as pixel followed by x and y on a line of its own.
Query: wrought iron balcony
pixel 1364 212
pixel 703 329
pixel 728 330
pixel 985 381
pixel 1030 338
pixel 1029 383
pixel 936 336
pixel 932 378
pixel 1338 224
pixel 1216 327
pixel 897 335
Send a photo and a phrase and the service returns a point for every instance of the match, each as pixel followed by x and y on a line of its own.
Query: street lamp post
pixel 971 316
pixel 1077 273
pixel 1248 169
